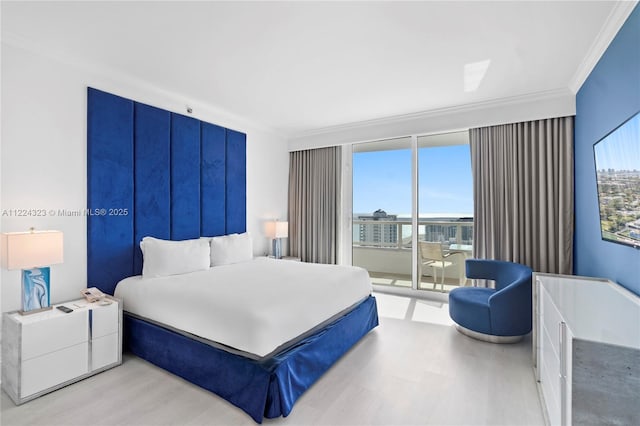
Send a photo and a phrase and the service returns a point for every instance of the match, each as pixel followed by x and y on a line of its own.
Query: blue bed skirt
pixel 267 388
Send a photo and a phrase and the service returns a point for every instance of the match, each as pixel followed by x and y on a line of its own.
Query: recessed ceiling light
pixel 474 73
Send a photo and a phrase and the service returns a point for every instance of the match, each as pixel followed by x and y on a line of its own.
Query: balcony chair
pixel 431 254
pixel 498 315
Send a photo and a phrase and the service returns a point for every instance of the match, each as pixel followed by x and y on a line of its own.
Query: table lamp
pixel 31 251
pixel 278 230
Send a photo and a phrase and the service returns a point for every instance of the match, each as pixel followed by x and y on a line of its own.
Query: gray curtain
pixel 314 204
pixel 523 193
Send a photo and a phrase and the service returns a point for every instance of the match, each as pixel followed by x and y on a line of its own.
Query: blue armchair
pixel 501 314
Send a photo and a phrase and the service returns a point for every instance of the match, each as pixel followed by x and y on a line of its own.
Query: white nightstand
pixel 45 351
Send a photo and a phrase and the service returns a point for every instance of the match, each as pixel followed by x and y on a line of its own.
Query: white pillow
pixel 234 248
pixel 163 257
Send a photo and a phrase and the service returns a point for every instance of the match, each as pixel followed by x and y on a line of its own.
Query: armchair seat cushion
pixel 469 307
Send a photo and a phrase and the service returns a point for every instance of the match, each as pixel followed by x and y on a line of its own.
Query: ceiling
pixel 300 66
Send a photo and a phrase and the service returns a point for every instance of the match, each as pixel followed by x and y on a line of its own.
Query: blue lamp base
pixel 35 290
pixel 276 248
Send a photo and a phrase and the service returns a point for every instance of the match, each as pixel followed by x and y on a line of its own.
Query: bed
pixel 247 306
pixel 152 172
pixel 233 330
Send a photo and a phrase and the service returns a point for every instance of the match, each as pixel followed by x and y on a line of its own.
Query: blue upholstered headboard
pixel 157 173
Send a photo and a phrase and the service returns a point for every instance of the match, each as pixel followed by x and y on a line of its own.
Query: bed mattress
pixel 256 307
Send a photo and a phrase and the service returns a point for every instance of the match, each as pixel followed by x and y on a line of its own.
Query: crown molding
pixel 430 114
pixel 617 17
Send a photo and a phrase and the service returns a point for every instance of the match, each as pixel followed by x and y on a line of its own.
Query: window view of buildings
pixel 619 195
pixel 381 229
pixel 379 232
pixel 617 158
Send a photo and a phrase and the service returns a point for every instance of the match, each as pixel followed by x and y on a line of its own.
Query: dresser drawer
pixel 551 320
pixel 59 332
pixel 54 368
pixel 550 384
pixel 551 367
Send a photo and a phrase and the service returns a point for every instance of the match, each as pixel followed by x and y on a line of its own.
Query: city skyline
pixel 620 150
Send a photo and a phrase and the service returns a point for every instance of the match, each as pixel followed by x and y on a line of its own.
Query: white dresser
pixel 47 350
pixel 587 350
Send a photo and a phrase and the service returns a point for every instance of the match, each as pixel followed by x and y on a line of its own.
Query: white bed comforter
pixel 254 306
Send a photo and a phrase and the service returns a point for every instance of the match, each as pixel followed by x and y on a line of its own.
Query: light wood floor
pixel 415 369
pixel 404 281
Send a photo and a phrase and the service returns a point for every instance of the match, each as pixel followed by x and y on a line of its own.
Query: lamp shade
pixel 282 230
pixel 24 250
pixel 277 229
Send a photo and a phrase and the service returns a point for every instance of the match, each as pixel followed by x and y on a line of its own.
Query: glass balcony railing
pixel 397 234
pixel 383 247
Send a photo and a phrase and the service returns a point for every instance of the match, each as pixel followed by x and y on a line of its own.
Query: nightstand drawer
pixel 51 369
pixel 59 332
pixel 104 320
pixel 104 351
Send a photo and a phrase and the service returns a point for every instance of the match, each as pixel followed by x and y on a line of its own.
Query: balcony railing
pixel 397 234
pixel 383 247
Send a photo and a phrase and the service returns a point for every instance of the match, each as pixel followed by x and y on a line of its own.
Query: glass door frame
pixel 346 238
pixel 415 218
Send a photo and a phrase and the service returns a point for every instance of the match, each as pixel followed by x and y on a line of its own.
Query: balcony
pixel 384 248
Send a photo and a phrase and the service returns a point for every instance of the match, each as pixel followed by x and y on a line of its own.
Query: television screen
pixel 617 158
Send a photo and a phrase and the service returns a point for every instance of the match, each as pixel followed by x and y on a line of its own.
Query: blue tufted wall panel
pixel 151 176
pixel 213 180
pixel 185 177
pixel 109 185
pixel 177 178
pixel 236 205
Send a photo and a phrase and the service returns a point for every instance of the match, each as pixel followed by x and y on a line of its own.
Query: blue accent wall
pixel 609 96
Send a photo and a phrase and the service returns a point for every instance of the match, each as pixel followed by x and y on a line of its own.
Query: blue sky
pixel 382 180
pixel 621 149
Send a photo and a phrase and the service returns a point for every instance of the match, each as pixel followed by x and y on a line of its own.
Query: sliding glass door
pixel 413 191
pixel 382 210
pixel 445 218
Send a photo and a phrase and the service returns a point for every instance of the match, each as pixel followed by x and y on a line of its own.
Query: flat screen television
pixel 617 159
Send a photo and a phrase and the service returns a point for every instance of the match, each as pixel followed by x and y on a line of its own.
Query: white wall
pixel 43 157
